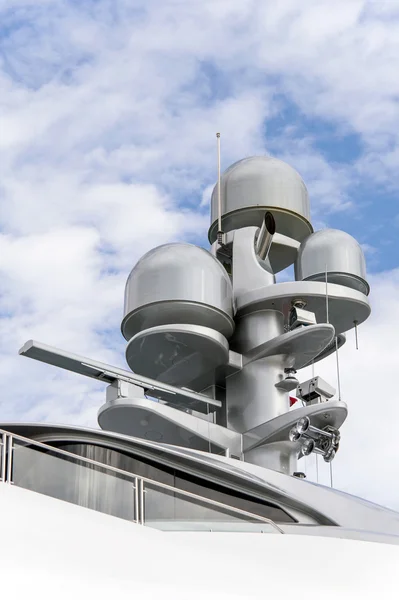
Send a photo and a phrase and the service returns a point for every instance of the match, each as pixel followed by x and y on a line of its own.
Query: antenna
pixel 220 232
pixel 109 374
pixel 327 316
pixel 338 376
pixel 356 338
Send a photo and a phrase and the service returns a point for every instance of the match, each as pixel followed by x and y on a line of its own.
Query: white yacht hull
pixel 51 548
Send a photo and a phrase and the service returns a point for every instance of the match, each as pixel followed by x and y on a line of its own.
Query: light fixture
pixel 303 425
pixel 290 382
pixel 294 435
pixel 320 441
pixel 308 447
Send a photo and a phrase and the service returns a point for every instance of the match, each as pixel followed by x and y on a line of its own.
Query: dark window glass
pixel 73 480
pixel 175 478
pixel 120 460
pixel 232 498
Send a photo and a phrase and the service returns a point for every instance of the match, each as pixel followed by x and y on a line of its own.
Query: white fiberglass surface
pixel 53 548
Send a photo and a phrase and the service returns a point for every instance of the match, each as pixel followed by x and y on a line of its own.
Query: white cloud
pixel 367 460
pixel 108 119
pixel 328 185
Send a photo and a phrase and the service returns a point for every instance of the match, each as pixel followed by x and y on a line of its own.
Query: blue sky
pixel 108 115
pixel 374 206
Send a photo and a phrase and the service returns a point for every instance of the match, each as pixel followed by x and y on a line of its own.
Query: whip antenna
pixel 356 338
pixel 220 236
pixel 327 316
pixel 338 375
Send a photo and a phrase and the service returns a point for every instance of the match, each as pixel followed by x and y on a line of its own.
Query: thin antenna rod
pixel 356 338
pixel 219 191
pixel 327 316
pixel 338 376
pixel 331 475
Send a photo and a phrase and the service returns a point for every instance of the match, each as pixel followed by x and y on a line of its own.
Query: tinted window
pixel 175 478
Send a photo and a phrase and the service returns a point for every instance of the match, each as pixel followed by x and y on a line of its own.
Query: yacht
pixel 192 487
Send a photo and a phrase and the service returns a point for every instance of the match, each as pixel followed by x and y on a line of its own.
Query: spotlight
pixel 307 447
pixel 294 435
pixel 303 425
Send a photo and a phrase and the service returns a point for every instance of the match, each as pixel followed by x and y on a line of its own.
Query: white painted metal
pixel 254 185
pixel 336 252
pixel 178 283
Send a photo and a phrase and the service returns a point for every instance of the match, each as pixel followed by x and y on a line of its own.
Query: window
pixel 88 485
pixel 180 480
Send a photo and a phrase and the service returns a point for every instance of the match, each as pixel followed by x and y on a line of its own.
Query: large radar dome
pixel 178 283
pixel 254 185
pixel 178 315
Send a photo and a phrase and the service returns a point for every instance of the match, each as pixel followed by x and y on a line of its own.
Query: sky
pixel 108 115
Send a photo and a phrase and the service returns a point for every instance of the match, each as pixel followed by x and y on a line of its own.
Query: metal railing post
pixel 136 500
pixel 3 457
pixel 10 449
pixel 142 507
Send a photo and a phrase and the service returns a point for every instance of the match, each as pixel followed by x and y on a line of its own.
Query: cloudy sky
pixel 108 114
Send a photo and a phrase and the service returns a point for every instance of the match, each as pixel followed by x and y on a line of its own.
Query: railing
pixel 107 489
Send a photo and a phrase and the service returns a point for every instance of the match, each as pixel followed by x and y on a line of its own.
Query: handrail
pixel 213 502
pixel 131 476
pixel 3 455
pixel 70 454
